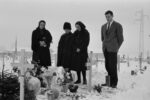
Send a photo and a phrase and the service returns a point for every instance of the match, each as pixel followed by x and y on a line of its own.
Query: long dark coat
pixel 80 40
pixel 64 50
pixel 41 54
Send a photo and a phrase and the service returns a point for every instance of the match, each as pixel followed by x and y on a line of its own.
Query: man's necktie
pixel 108 29
pixel 108 26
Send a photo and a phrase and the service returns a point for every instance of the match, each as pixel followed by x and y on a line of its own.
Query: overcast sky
pixel 18 18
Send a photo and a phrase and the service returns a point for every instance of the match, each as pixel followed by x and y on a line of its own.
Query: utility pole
pixel 16 44
pixel 141 36
pixel 15 51
pixel 148 57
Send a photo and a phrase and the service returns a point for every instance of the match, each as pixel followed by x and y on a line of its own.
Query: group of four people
pixel 73 47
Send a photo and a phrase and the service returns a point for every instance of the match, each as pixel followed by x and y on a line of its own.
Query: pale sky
pixel 18 18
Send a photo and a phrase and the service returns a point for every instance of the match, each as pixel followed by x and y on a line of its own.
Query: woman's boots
pixel 79 77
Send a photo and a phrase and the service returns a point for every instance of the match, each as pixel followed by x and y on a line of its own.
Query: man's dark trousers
pixel 111 66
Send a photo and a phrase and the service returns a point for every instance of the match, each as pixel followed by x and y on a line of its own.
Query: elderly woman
pixel 80 44
pixel 41 40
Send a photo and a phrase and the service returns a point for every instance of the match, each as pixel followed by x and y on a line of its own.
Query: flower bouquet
pixel 67 80
pixel 48 75
pixel 73 88
pixel 52 94
pixel 98 88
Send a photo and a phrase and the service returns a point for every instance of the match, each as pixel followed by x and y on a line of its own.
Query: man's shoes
pixel 84 82
pixel 113 86
pixel 104 84
pixel 77 82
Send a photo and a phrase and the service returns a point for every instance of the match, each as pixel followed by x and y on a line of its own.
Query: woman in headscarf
pixel 64 48
pixel 80 51
pixel 41 40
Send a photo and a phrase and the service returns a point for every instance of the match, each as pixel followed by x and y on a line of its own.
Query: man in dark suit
pixel 112 38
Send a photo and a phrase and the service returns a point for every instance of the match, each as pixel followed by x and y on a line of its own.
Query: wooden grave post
pixel 96 60
pixel 118 62
pixel 55 58
pixel 22 66
pixel 89 65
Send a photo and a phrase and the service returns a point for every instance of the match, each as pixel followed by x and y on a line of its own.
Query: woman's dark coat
pixel 41 54
pixel 64 50
pixel 80 40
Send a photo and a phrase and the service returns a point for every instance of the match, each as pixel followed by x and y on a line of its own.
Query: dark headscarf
pixel 81 25
pixel 67 25
pixel 41 21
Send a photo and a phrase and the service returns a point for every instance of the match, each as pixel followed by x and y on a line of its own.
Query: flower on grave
pixel 60 81
pixel 98 88
pixel 67 77
pixel 32 86
pixel 48 75
pixel 73 88
pixel 53 94
pixel 15 69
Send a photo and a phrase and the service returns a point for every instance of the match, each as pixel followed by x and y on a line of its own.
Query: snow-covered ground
pixel 6 64
pixel 129 87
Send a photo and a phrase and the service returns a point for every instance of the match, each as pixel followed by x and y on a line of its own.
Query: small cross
pixel 22 66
